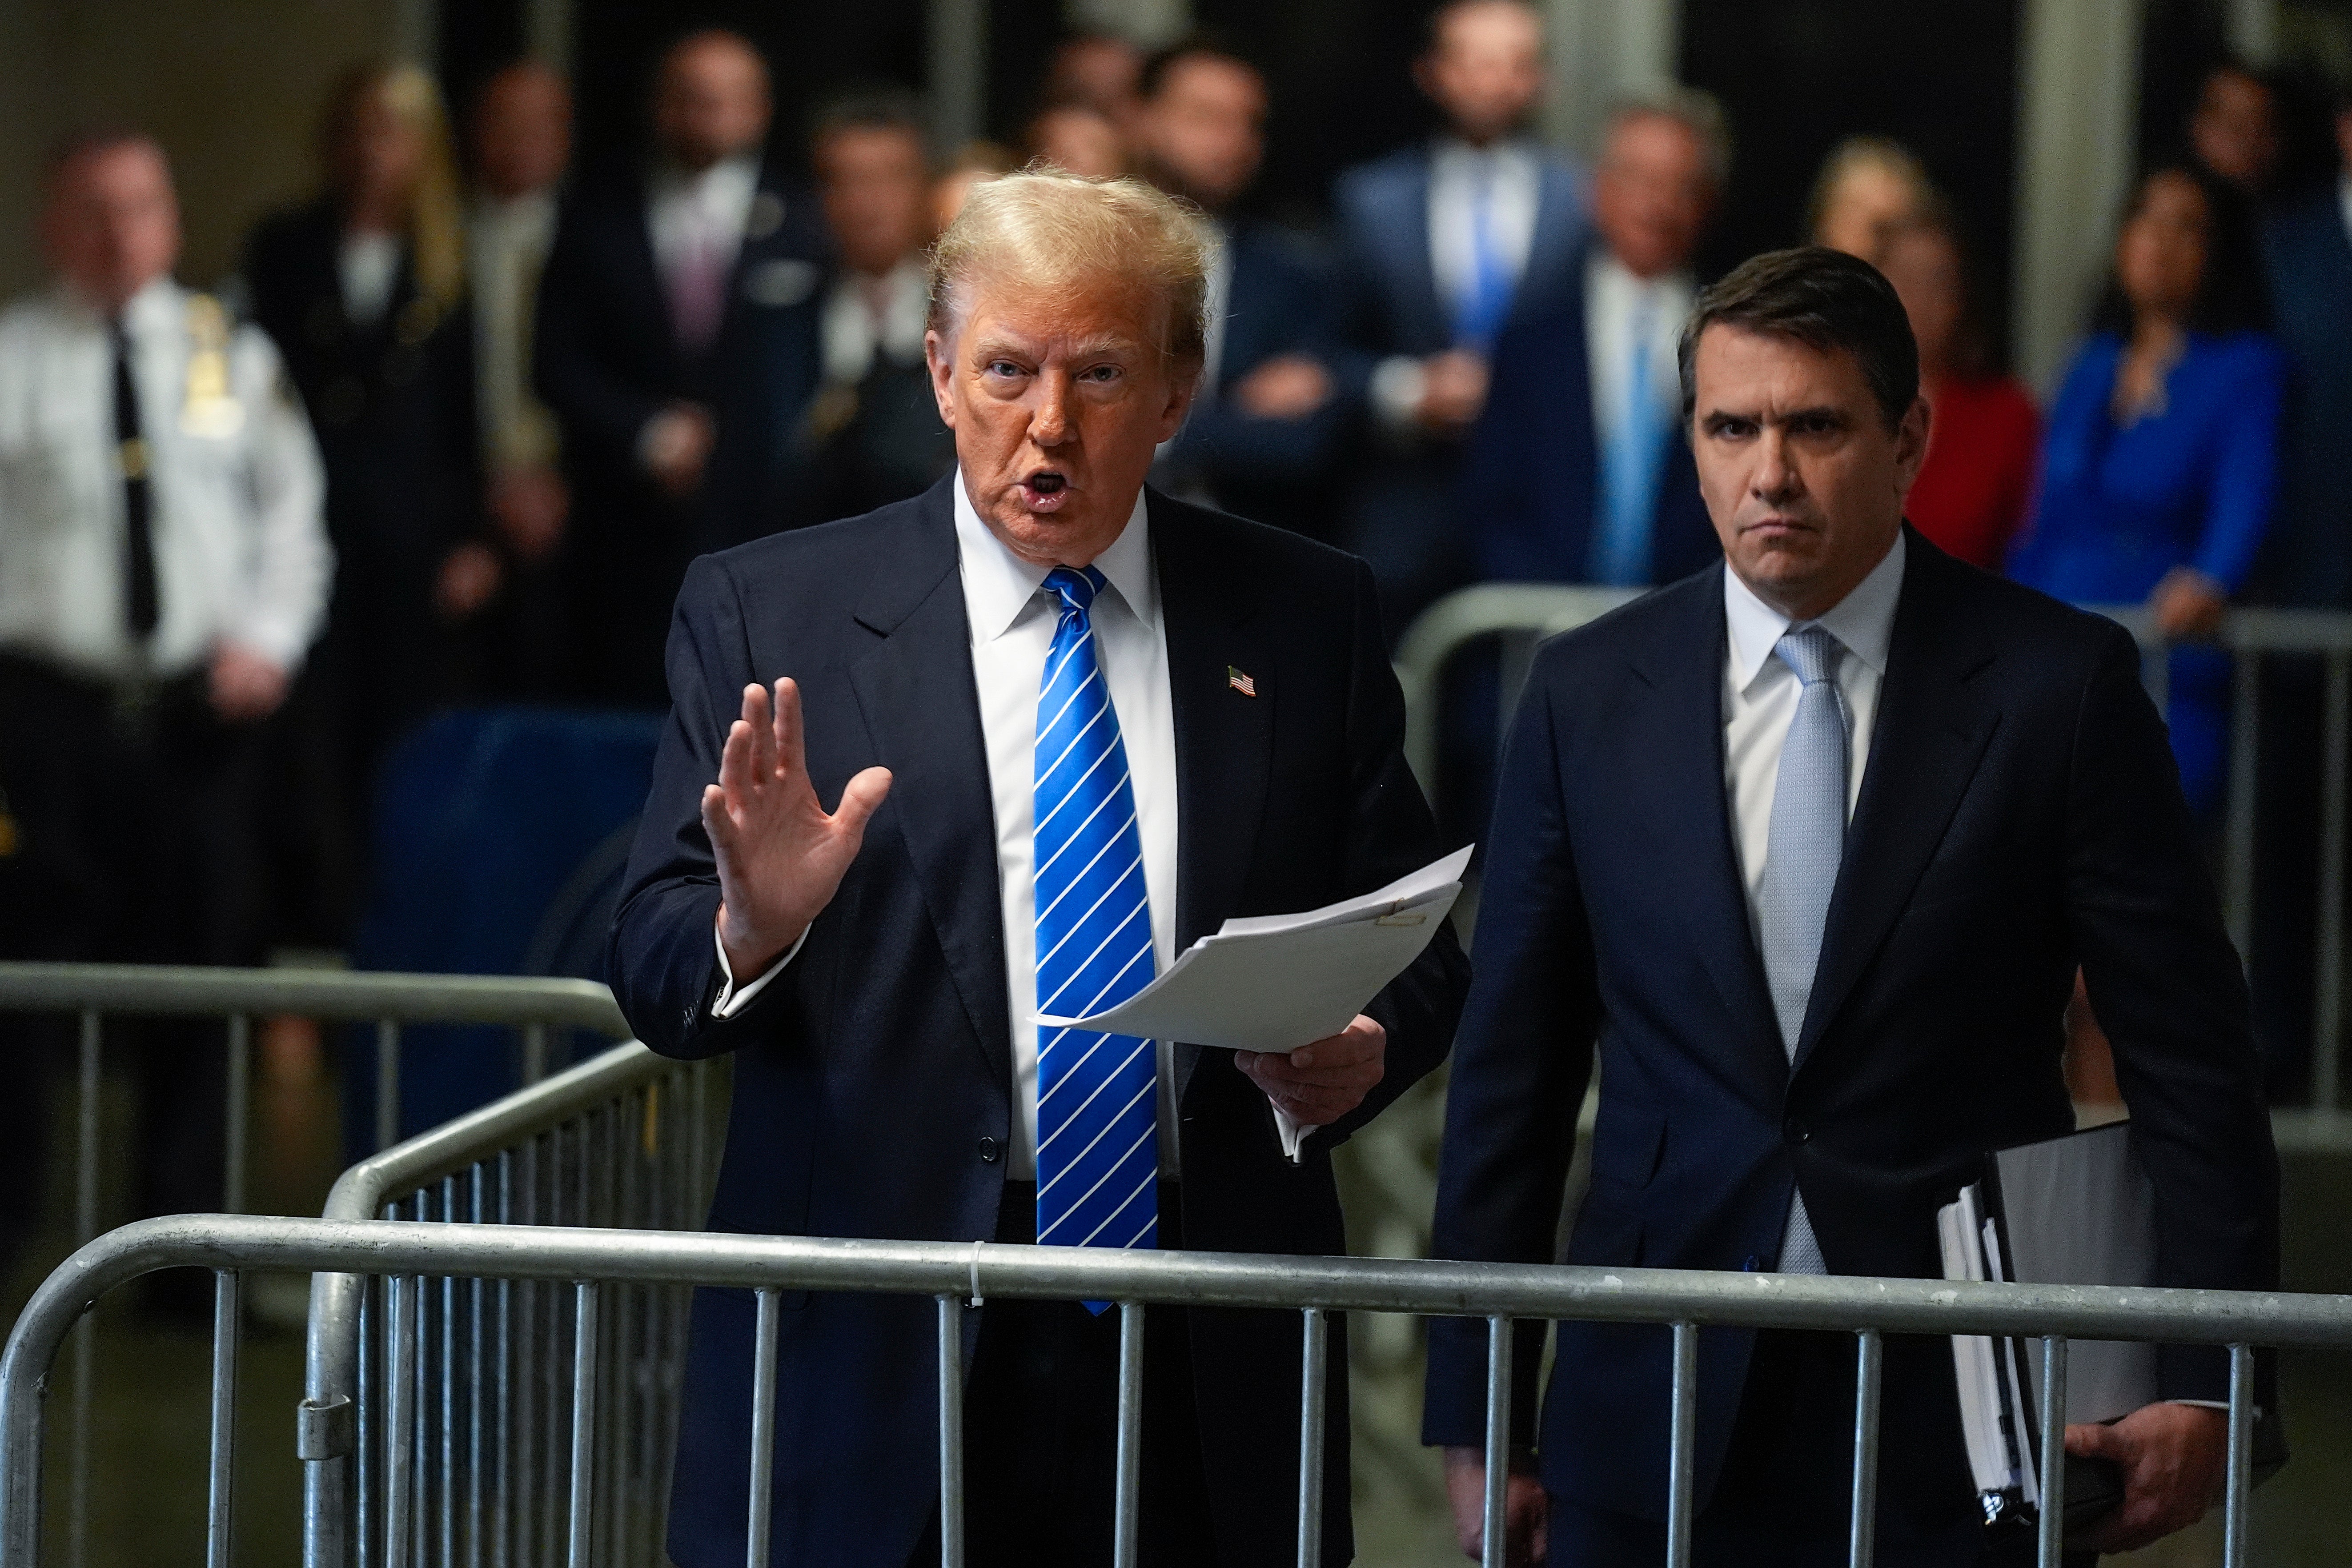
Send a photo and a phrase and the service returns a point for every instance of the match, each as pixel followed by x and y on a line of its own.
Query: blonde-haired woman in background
pixel 363 290
pixel 1869 189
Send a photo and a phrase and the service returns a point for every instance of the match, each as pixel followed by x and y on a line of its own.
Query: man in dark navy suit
pixel 1576 473
pixel 1267 421
pixel 1070 726
pixel 1811 845
pixel 678 347
pixel 1441 244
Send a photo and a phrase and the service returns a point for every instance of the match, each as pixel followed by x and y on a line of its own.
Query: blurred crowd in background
pixel 452 432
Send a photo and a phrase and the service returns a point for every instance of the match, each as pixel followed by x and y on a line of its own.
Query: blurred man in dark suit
pixel 1267 420
pixel 1070 725
pixel 1442 245
pixel 1577 472
pixel 1809 848
pixel 874 433
pixel 678 346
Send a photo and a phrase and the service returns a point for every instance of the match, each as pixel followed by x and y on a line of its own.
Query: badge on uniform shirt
pixel 209 409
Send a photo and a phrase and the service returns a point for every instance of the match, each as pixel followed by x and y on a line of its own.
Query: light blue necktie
pixel 1800 867
pixel 1487 292
pixel 1098 1109
pixel 1620 556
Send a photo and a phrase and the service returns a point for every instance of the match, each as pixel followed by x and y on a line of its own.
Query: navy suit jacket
pixel 2308 556
pixel 1392 296
pixel 607 359
pixel 1279 302
pixel 2019 816
pixel 873 1079
pixel 1532 478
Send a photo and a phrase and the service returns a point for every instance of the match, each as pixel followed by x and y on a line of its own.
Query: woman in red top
pixel 1972 491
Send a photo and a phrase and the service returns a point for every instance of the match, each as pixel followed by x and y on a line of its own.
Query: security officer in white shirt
pixel 163 569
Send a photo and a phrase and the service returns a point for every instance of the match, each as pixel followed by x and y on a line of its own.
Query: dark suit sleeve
pixel 1520 1066
pixel 662 956
pixel 1392 834
pixel 1511 458
pixel 2165 985
pixel 583 391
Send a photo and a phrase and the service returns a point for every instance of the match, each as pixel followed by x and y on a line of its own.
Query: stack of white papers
pixel 1274 982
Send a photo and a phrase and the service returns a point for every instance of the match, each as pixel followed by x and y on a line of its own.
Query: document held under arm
pixel 1274 982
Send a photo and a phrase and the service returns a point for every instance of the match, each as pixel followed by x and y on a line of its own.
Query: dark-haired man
pixel 874 434
pixel 1267 421
pixel 1811 846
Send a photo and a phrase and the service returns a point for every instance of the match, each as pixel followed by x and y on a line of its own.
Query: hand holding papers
pixel 1274 982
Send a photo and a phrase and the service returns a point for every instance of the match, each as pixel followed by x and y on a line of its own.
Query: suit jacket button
pixel 989 1151
pixel 1795 1131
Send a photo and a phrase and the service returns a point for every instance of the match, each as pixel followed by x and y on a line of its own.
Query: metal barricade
pixel 1519 615
pixel 584 1268
pixel 426 1403
pixel 535 1007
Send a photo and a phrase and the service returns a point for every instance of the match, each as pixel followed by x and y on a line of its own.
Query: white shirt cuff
pixel 731 1001
pixel 1294 1137
pixel 1397 385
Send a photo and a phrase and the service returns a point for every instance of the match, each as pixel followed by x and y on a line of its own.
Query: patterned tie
pixel 1629 475
pixel 1097 1115
pixel 1801 866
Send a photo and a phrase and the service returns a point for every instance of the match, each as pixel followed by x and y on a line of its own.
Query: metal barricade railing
pixel 424 1406
pixel 537 1008
pixel 1519 615
pixel 587 1265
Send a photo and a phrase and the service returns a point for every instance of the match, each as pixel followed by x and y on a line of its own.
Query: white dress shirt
pixel 855 332
pixel 692 215
pixel 1759 701
pixel 1614 300
pixel 241 551
pixel 506 242
pixel 1011 619
pixel 1513 173
pixel 366 267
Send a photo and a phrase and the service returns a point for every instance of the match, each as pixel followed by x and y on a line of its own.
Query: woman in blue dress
pixel 2159 465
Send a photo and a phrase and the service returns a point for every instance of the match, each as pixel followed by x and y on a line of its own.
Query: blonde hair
pixel 1045 227
pixel 1882 153
pixel 437 216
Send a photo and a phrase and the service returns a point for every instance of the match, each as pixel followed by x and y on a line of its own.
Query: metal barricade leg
pixel 240 1102
pixel 763 1432
pixel 387 1087
pixel 2241 1457
pixel 85 1332
pixel 400 1350
pixel 1496 1516
pixel 2052 1535
pixel 584 1421
pixel 2238 849
pixel 1869 1364
pixel 1128 1498
pixel 1314 1334
pixel 220 1509
pixel 1682 1444
pixel 950 1433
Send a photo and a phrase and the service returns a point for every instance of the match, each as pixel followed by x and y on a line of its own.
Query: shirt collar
pixel 998 585
pixel 1862 622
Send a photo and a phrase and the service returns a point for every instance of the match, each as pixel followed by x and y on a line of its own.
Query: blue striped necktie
pixel 1097 1111
pixel 1801 866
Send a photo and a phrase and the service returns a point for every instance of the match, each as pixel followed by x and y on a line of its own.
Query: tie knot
pixel 1076 586
pixel 1810 650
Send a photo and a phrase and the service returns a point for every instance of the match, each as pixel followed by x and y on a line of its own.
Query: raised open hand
pixel 781 857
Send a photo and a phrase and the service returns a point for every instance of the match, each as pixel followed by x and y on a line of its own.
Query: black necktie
pixel 139 605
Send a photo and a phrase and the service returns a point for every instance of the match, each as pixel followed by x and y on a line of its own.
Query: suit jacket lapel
pixel 1675 728
pixel 915 689
pixel 1552 249
pixel 1224 740
pixel 1930 734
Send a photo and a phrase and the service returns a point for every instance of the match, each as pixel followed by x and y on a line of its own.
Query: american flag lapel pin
pixel 1240 682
